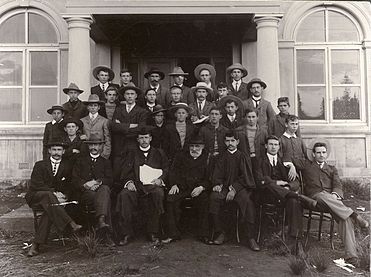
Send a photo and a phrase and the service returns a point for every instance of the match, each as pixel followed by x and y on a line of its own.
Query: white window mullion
pixel 329 85
pixel 26 81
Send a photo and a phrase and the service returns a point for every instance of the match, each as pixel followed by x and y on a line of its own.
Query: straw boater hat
pixel 93 98
pixel 72 86
pixel 178 71
pixel 104 68
pixel 202 85
pixel 71 119
pixel 203 66
pixel 256 80
pixel 237 100
pixel 154 70
pixel 94 138
pixel 56 107
pixel 178 106
pixel 237 66
pixel 157 109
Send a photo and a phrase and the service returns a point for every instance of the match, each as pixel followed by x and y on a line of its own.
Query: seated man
pixel 92 178
pixel 233 180
pixel 130 185
pixel 189 177
pixel 50 184
pixel 322 183
pixel 273 181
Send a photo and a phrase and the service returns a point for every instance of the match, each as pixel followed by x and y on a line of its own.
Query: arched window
pixel 29 66
pixel 329 69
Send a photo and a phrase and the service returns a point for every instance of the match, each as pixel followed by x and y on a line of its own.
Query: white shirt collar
pixel 288 135
pixel 105 85
pixel 232 152
pixel 94 156
pixel 155 87
pixel 231 117
pixel 272 158
pixel 55 161
pixel 234 82
pixel 93 116
pixel 145 149
pixel 53 121
pixel 208 85
pixel 256 98
pixel 151 105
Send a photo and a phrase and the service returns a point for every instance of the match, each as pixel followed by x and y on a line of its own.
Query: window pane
pixel 312 28
pixel 345 67
pixel 11 104
pixel 346 103
pixel 311 69
pixel 44 68
pixel 10 68
pixel 341 28
pixel 311 103
pixel 12 30
pixel 40 100
pixel 40 30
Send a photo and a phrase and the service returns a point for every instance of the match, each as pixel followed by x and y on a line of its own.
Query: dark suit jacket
pixel 86 170
pixel 276 126
pixel 208 135
pixel 243 92
pixel 98 90
pixel 264 171
pixel 123 137
pixel 75 144
pixel 265 110
pixel 126 167
pixel 317 179
pixel 205 110
pixel 42 179
pixel 259 141
pixel 78 111
pixel 231 125
pixel 52 132
pixel 187 96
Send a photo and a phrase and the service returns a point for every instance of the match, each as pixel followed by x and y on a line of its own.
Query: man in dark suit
pixel 74 106
pixel 322 183
pixel 189 177
pixel 92 178
pixel 130 185
pixel 126 121
pixel 158 123
pixel 104 75
pixel 179 76
pixel 237 87
pixel 50 185
pixel 154 76
pixel 264 107
pixel 201 107
pixel 233 112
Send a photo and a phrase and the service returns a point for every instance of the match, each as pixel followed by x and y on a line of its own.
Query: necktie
pixel 256 103
pixel 236 87
pixel 274 161
pixel 200 106
pixel 128 109
pixel 216 147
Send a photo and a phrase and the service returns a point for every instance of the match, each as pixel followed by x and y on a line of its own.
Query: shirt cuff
pixel 127 183
pixel 288 164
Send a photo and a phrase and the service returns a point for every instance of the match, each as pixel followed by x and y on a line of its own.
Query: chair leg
pixel 320 226
pixel 260 222
pixel 332 233
pixel 308 228
pixel 283 223
pixel 238 225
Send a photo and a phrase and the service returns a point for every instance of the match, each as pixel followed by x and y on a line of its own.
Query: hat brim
pixel 136 89
pixel 178 74
pixel 66 90
pixel 194 89
pixel 176 107
pixel 93 102
pixel 239 102
pixel 147 74
pixel 104 68
pixel 63 144
pixel 249 84
pixel 50 111
pixel 203 66
pixel 94 141
pixel 159 111
pixel 78 122
pixel 231 68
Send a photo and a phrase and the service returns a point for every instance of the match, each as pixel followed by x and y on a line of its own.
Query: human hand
pixel 157 182
pixel 75 151
pixel 174 189
pixel 197 191
pixel 60 196
pixel 89 184
pixel 230 195
pixel 130 186
pixel 292 173
pixel 282 183
pixel 133 125
pixel 117 121
pixel 217 188
pixel 83 137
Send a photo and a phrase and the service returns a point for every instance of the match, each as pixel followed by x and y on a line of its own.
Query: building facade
pixel 318 53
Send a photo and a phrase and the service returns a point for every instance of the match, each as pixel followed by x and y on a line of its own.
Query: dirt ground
pixel 187 257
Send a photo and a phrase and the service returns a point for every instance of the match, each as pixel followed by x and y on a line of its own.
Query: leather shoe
pixel 220 239
pixel 125 241
pixel 34 250
pixel 353 260
pixel 153 238
pixel 170 240
pixel 206 240
pixel 76 228
pixel 109 242
pixel 253 245
pixel 361 222
pixel 101 223
pixel 307 201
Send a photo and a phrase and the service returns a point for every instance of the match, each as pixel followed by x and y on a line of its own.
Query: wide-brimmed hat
pixel 203 66
pixel 177 106
pixel 71 119
pixel 136 89
pixel 93 98
pixel 56 141
pixel 103 68
pixel 235 99
pixel 56 107
pixel 256 80
pixel 72 86
pixel 202 85
pixel 178 71
pixel 154 70
pixel 94 138
pixel 157 109
pixel 237 66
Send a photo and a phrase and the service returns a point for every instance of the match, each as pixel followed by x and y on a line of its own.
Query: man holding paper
pixel 141 173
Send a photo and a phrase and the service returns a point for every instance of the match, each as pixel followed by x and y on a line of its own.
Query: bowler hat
pixel 202 85
pixel 72 86
pixel 203 66
pixel 157 109
pixel 105 69
pixel 136 89
pixel 94 138
pixel 256 80
pixel 237 66
pixel 196 138
pixel 154 70
pixel 93 98
pixel 56 107
pixel 235 99
pixel 178 71
pixel 71 119
pixel 56 141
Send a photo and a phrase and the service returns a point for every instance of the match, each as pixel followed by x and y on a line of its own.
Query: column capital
pixel 79 21
pixel 267 21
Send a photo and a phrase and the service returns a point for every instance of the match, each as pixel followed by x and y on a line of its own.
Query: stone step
pixel 20 219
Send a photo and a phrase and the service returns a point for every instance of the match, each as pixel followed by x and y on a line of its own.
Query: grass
pixel 297 265
pixel 363 250
pixel 89 243
pixel 358 188
pixel 277 246
pixel 319 260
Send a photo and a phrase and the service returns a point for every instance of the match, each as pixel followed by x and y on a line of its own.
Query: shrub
pixel 319 260
pixel 297 265
pixel 89 243
pixel 356 187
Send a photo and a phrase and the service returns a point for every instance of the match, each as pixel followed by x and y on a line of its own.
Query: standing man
pixel 126 78
pixel 104 75
pixel 74 106
pixel 201 107
pixel 264 107
pixel 233 111
pixel 154 76
pixel 237 87
pixel 50 185
pixel 130 185
pixel 206 73
pixel 322 183
pixel 178 77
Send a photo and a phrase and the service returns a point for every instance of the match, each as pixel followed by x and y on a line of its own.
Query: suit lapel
pixel 48 165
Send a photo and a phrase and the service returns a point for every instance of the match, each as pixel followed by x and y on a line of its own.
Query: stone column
pixel 267 56
pixel 79 65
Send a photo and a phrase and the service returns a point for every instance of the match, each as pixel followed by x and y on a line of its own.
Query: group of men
pixel 126 151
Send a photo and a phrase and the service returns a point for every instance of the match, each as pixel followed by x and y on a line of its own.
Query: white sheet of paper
pixel 147 174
